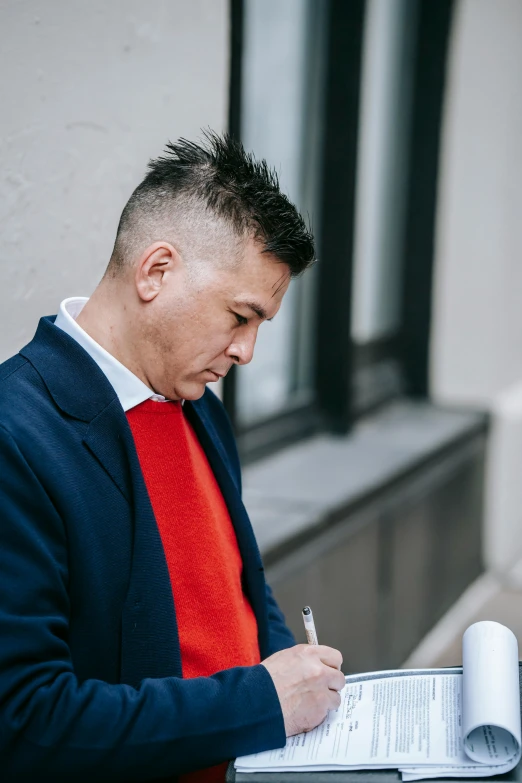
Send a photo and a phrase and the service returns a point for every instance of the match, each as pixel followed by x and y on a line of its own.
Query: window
pixel 345 100
pixel 381 199
pixel 279 122
pixel 280 98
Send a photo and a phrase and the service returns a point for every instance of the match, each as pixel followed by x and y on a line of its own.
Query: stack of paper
pixel 462 722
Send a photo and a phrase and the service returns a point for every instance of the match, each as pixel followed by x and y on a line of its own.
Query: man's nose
pixel 241 350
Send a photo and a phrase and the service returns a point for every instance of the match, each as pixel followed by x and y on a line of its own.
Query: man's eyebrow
pixel 256 308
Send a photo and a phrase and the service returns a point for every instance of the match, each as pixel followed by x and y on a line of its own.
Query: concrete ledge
pixel 493 596
pixel 300 489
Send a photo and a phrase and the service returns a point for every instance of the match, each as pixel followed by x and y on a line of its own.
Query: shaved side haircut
pixel 207 199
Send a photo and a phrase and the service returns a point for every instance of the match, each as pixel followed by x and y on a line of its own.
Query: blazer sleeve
pixel 280 635
pixel 56 727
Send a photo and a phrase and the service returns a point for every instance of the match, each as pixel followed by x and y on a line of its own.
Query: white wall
pixel 477 326
pixel 477 347
pixel 89 92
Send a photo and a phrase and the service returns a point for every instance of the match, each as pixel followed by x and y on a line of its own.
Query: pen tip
pixel 307 610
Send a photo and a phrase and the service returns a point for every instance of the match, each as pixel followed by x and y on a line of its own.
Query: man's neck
pixel 104 319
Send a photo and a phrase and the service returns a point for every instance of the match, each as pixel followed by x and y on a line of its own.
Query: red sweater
pixel 216 625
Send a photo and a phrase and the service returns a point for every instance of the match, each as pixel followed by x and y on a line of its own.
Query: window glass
pixel 384 133
pixel 280 121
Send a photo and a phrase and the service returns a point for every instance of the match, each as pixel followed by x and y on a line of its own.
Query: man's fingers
pixel 335 702
pixel 336 680
pixel 329 656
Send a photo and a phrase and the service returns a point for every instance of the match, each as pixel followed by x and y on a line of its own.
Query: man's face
pixel 202 323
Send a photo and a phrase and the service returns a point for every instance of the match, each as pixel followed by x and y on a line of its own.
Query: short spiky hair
pixel 221 181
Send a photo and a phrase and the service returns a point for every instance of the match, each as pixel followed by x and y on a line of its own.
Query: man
pixel 134 614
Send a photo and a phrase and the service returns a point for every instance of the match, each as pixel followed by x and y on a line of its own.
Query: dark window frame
pixel 350 380
pixel 434 27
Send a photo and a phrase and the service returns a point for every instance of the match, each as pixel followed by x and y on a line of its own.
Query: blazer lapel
pixel 150 644
pixel 104 439
pixel 149 623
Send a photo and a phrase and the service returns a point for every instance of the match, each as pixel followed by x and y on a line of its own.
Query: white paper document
pixel 461 722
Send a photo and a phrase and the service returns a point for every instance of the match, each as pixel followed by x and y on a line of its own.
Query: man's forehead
pixel 258 280
pixel 256 261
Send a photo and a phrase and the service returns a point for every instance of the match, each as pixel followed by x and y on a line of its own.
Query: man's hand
pixel 307 680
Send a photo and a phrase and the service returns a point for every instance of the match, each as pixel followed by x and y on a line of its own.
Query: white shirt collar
pixel 131 391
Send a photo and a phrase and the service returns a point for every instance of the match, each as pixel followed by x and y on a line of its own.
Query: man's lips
pixel 216 375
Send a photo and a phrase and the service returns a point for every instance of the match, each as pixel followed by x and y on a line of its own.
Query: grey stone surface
pixel 505 607
pixel 302 485
pixel 278 519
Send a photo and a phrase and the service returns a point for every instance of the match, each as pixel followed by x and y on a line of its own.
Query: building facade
pixel 380 421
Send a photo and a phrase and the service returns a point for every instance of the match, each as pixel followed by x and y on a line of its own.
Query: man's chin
pixel 192 391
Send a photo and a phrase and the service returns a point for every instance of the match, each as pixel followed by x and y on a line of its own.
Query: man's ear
pixel 157 261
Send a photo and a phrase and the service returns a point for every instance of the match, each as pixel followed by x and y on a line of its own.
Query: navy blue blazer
pixel 91 684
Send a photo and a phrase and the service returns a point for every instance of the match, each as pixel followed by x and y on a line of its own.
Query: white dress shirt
pixel 131 391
